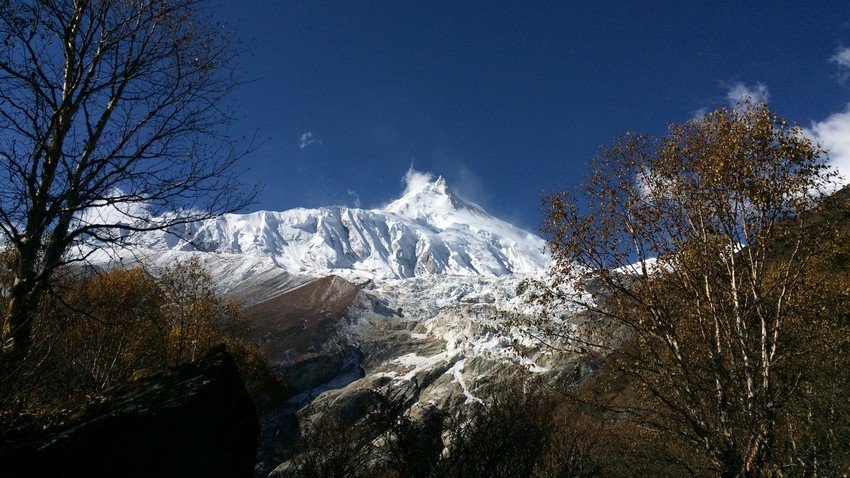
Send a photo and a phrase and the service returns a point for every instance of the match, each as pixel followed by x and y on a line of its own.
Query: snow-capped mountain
pixel 428 230
pixel 423 296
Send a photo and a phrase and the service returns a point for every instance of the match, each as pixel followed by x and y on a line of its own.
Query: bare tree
pixel 697 247
pixel 111 114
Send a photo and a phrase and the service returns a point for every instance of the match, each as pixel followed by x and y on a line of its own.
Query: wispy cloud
pixel 356 197
pixel 740 92
pixel 833 133
pixel 700 113
pixel 309 140
pixel 471 186
pixel 842 60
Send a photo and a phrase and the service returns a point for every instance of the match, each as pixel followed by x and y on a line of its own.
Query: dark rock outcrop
pixel 297 323
pixel 197 420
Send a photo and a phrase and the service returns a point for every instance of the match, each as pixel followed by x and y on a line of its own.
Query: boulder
pixel 197 420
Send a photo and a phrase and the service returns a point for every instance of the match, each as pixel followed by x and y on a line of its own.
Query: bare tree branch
pixel 108 104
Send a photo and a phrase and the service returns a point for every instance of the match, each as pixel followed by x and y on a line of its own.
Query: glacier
pixel 428 230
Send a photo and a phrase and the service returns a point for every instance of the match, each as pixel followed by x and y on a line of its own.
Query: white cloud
pixel 833 133
pixel 356 197
pixel 113 210
pixel 700 113
pixel 842 59
pixel 741 92
pixel 415 181
pixel 737 95
pixel 309 140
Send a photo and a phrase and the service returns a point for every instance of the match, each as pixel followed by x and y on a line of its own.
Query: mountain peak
pixel 426 197
pixel 440 183
pixel 428 230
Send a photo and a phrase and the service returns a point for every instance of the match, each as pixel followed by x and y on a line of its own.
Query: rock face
pixel 286 326
pixel 441 341
pixel 197 420
pixel 298 331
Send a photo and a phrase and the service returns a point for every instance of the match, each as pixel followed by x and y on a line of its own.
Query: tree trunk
pixel 753 465
pixel 732 466
pixel 17 327
pixel 24 296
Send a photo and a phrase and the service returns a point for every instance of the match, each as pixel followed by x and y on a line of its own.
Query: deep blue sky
pixel 504 99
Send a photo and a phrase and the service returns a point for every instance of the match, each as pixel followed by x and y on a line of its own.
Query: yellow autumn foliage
pixel 106 328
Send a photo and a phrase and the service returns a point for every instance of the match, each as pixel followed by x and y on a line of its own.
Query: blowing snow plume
pixel 415 181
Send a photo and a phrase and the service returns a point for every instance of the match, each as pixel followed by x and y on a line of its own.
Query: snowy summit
pixel 428 230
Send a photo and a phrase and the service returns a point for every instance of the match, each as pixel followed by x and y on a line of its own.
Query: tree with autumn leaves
pixel 103 329
pixel 713 255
